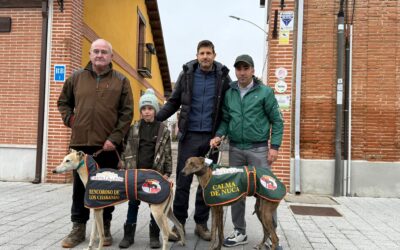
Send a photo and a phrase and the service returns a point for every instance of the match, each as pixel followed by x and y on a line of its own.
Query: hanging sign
pixel 287 20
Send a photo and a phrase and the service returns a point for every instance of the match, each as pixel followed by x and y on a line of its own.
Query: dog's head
pixel 70 162
pixel 194 165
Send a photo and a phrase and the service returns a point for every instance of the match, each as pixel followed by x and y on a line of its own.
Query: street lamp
pixel 265 64
pixel 238 18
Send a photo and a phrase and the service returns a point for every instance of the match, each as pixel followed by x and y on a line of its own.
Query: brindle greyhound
pixel 263 208
pixel 160 211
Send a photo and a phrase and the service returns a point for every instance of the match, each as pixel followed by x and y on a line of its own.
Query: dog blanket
pixel 228 184
pixel 107 187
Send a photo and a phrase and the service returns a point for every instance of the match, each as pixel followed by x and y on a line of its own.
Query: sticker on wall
pixel 280 86
pixel 281 73
pixel 287 20
pixel 284 37
pixel 283 101
pixel 59 72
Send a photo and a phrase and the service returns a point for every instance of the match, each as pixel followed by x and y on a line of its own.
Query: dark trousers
pixel 133 210
pixel 79 213
pixel 193 144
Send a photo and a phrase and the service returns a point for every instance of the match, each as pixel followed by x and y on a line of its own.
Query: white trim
pixel 18 146
pixel 47 97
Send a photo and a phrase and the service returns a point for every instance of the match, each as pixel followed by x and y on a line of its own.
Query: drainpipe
pixel 299 56
pixel 42 90
pixel 266 43
pixel 350 67
pixel 338 184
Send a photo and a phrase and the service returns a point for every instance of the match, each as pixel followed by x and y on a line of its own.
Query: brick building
pixel 370 165
pixel 38 35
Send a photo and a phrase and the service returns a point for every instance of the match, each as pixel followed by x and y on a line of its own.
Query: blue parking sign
pixel 59 72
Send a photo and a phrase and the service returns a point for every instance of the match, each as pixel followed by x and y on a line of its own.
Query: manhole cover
pixel 314 211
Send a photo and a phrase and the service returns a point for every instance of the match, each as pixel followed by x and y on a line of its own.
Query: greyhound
pixel 160 212
pixel 263 208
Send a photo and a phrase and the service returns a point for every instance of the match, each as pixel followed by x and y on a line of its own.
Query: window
pixel 145 50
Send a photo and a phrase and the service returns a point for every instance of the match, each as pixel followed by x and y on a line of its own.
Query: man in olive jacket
pixel 199 92
pixel 250 115
pixel 97 104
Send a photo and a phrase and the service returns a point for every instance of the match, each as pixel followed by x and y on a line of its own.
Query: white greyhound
pixel 160 212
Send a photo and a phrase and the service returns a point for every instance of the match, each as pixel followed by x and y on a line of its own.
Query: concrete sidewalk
pixel 37 216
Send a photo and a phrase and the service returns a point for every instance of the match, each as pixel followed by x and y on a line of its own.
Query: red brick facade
pixel 376 78
pixel 19 76
pixel 66 49
pixel 282 56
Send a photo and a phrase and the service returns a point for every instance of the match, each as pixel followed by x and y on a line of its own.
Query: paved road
pixel 37 216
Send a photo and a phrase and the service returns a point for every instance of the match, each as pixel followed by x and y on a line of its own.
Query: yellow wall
pixel 117 22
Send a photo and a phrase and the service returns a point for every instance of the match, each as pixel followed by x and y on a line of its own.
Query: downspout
pixel 42 90
pixel 47 97
pixel 299 56
pixel 338 180
pixel 266 43
pixel 348 183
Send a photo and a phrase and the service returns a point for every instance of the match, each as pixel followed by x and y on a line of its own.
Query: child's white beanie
pixel 149 98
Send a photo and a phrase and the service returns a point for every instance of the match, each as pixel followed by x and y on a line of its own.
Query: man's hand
pixel 215 142
pixel 108 146
pixel 272 156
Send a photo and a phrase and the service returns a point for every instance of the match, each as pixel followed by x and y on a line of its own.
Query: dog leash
pixel 216 149
pixel 116 152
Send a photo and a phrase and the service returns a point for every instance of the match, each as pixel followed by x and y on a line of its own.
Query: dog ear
pixel 81 154
pixel 201 160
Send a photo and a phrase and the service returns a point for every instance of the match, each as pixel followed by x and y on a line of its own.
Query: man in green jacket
pixel 253 122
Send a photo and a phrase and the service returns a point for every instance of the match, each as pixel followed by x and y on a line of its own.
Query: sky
pixel 186 22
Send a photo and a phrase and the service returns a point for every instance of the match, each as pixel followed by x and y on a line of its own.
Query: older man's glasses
pixel 100 51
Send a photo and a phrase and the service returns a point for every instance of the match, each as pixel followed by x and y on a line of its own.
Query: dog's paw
pixel 182 243
pixel 259 246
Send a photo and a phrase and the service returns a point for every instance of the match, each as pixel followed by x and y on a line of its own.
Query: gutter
pixel 42 93
pixel 299 57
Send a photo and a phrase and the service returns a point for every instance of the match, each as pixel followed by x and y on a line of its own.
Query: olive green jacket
pixel 162 151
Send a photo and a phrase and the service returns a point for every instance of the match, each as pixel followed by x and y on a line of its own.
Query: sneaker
pixel 236 238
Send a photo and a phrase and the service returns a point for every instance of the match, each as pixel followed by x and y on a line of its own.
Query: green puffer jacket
pixel 247 121
pixel 162 152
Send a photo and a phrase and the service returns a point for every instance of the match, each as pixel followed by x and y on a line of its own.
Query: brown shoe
pixel 107 234
pixel 202 231
pixel 76 236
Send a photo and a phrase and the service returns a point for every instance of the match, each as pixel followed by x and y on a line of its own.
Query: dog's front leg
pixel 213 227
pixel 98 218
pixel 220 224
pixel 93 232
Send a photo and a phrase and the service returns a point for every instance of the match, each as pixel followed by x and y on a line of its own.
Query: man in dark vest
pixel 199 92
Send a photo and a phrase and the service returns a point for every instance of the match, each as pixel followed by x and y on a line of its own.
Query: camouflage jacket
pixel 162 154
